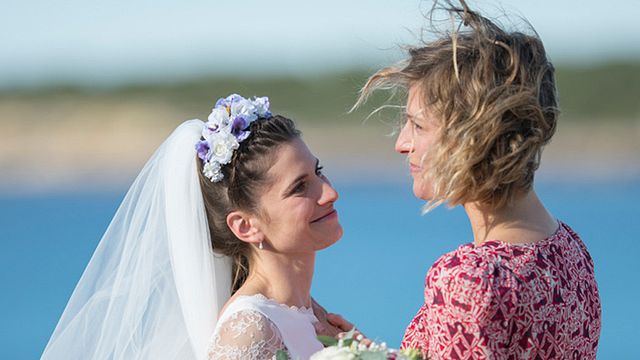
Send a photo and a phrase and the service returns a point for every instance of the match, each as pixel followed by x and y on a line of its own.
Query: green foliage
pixel 610 91
pixel 320 100
pixel 327 340
pixel 281 355
pixel 413 354
pixel 380 355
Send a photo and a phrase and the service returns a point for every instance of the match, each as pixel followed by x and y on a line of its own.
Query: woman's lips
pixel 330 215
pixel 414 168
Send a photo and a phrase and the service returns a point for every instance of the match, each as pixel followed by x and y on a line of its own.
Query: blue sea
pixel 373 276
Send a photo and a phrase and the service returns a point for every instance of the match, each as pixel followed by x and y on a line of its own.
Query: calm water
pixel 373 276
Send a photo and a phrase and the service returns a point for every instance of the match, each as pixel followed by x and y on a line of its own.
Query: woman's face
pixel 416 138
pixel 298 213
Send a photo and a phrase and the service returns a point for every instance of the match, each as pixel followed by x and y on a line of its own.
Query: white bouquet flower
pixel 350 348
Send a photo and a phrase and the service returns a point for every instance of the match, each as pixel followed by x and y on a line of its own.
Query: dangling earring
pixel 260 246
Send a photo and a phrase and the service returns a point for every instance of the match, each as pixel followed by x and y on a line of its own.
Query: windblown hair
pixel 493 94
pixel 245 177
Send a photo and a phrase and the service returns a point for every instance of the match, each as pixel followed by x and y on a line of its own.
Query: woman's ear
pixel 243 227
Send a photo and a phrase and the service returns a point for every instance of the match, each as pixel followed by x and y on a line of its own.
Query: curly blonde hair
pixel 493 93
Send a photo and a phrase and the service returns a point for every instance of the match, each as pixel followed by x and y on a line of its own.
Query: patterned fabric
pixel 506 301
pixel 246 334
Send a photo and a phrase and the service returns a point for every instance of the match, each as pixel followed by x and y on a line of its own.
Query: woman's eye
pixel 319 170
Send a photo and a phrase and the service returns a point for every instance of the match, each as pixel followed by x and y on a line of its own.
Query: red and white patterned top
pixel 507 301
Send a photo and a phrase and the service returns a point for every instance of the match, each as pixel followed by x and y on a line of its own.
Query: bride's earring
pixel 260 246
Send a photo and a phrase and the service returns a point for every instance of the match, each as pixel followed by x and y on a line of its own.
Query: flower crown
pixel 226 128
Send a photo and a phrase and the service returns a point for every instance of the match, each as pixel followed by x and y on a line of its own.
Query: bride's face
pixel 298 213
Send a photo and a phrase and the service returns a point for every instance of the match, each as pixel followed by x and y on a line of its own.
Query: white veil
pixel 153 287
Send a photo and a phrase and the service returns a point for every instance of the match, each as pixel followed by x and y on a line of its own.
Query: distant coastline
pixel 102 155
pixel 69 139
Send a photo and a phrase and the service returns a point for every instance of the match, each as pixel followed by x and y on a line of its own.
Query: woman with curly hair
pixel 481 105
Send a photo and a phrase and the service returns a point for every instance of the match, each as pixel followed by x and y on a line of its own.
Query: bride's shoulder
pixel 245 322
pixel 245 333
pixel 240 308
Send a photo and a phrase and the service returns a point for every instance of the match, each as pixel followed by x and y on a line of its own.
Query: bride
pixel 211 253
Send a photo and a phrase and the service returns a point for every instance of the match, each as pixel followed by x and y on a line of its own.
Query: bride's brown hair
pixel 493 94
pixel 244 179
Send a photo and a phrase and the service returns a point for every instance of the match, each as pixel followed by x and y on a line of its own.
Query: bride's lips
pixel 331 214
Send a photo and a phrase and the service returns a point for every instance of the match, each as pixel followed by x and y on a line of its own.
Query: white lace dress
pixel 255 327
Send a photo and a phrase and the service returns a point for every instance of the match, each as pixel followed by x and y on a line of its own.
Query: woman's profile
pixel 481 105
pixel 211 253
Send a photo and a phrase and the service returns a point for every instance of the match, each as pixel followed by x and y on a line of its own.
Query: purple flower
pixel 221 102
pixel 238 125
pixel 243 135
pixel 202 147
pixel 225 102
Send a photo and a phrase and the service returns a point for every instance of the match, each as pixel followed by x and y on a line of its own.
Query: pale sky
pixel 117 41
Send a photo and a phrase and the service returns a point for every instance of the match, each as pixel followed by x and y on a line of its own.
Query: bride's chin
pixel 333 238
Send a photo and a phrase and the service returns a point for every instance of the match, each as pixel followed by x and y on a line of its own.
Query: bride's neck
pixel 283 278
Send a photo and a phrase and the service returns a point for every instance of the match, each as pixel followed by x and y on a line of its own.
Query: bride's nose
pixel 329 194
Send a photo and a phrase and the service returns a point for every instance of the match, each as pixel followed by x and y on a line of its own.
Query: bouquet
pixel 351 348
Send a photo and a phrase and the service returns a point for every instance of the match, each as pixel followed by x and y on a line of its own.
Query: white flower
pixel 334 353
pixel 262 105
pixel 212 171
pixel 222 145
pixel 245 109
pixel 219 118
pixel 219 141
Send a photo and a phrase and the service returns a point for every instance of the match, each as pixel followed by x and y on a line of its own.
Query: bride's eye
pixel 319 170
pixel 300 188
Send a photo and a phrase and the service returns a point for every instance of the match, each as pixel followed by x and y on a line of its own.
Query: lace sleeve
pixel 246 334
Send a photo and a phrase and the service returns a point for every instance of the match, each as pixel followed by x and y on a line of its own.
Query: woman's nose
pixel 404 142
